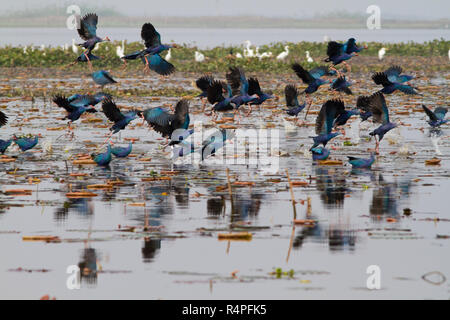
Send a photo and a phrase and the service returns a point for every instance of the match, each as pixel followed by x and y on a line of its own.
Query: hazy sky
pixel 430 9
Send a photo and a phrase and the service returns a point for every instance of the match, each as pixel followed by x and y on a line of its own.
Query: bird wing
pixel 237 81
pixel 393 73
pixel 88 26
pixel 103 74
pixel 254 87
pixel 204 82
pixel 339 83
pixel 350 46
pixel 160 66
pixel 62 102
pixel 291 95
pixel 430 113
pixel 150 36
pixel 111 111
pixel 362 103
pixel 379 108
pixel 215 92
pixel 133 55
pixel 406 89
pixel 302 73
pixel 181 110
pixel 319 72
pixel 159 119
pixel 81 101
pixel 3 119
pixel 381 78
pixel 334 49
pixel 330 110
pixel 440 112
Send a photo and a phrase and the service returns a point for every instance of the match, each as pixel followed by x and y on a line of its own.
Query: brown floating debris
pixel 41 238
pixel 18 192
pixel 305 222
pixel 330 162
pixel 238 236
pixel 299 183
pixel 99 186
pixel 136 204
pixel 83 161
pixel 433 162
pixel 76 195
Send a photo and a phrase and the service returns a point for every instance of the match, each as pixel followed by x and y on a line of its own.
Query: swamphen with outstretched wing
pixel 166 123
pixel 74 112
pixel 313 81
pixel 363 104
pixel 380 114
pixel 291 95
pixel 350 47
pixel 219 94
pixel 389 87
pixel 336 54
pixel 341 85
pixel 324 122
pixel 394 75
pixel 88 32
pixel 239 87
pixel 121 120
pixel 255 89
pixel 436 117
pixel 203 83
pixel 321 71
pixel 151 54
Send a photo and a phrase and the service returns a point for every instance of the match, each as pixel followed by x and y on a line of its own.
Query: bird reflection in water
pixel 88 266
pixel 84 207
pixel 332 186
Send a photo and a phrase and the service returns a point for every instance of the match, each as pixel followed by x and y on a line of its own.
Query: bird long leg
pixel 249 110
pixel 147 65
pixel 124 64
pixel 377 146
pixel 309 102
pixel 70 64
pixel 203 104
pixel 88 60
pixel 107 139
pixel 349 69
pixel 337 71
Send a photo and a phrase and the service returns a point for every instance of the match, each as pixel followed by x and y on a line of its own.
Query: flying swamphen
pixel 436 117
pixel 312 80
pixel 320 153
pixel 255 89
pixel 341 85
pixel 363 104
pixel 394 75
pixel 103 159
pixel 121 120
pixel 88 32
pixel 4 144
pixel 337 55
pixel 351 47
pixel 102 78
pixel 150 55
pixel 203 83
pixel 321 71
pixel 166 123
pixel 122 152
pixel 26 143
pixel 291 96
pixel 239 88
pixel 324 122
pixel 85 100
pixel 361 163
pixel 389 87
pixel 380 114
pixel 220 95
pixel 73 112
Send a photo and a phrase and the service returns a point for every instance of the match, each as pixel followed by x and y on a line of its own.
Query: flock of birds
pixel 230 95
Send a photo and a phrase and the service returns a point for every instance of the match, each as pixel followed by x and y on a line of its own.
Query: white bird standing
pixel 263 55
pixel 284 54
pixel 381 53
pixel 308 57
pixel 120 50
pixel 248 52
pixel 74 46
pixel 199 57
pixel 168 55
pixel 239 56
pixel 25 50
